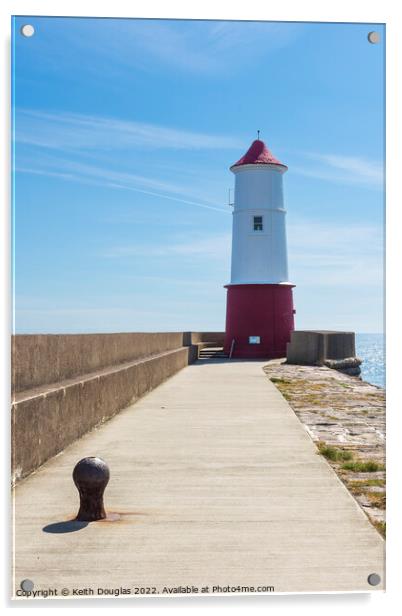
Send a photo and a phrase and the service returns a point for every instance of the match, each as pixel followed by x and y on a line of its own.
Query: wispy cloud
pixel 74 131
pixel 97 176
pixel 213 46
pixel 60 144
pixel 216 247
pixel 200 47
pixel 328 254
pixel 342 169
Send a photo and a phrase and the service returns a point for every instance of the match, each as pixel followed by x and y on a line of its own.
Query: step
pixel 212 353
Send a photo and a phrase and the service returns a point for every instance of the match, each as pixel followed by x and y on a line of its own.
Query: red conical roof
pixel 258 154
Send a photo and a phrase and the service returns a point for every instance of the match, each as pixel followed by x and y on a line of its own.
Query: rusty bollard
pixel 91 476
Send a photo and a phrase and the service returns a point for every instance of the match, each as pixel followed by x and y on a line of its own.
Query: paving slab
pixel 217 484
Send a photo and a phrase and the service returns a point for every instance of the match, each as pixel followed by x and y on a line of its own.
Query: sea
pixel 371 349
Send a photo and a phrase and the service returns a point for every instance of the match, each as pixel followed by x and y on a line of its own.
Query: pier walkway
pixel 217 483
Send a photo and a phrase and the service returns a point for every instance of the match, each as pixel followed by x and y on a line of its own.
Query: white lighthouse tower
pixel 259 314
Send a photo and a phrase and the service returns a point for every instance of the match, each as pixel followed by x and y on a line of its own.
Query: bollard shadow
pixel 67 526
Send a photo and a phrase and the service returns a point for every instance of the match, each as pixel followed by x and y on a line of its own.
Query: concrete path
pixel 219 485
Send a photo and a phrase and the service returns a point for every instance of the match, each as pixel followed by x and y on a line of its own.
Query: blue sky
pixel 124 134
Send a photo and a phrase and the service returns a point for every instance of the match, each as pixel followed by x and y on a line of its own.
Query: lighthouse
pixel 259 309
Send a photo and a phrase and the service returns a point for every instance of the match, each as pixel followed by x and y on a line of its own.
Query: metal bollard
pixel 91 476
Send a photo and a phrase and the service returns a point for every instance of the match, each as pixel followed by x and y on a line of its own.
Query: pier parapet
pixel 324 348
pixel 64 385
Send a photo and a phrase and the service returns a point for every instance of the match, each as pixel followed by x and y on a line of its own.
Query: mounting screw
pixel 373 37
pixel 27 30
pixel 374 579
pixel 27 585
pixel 91 476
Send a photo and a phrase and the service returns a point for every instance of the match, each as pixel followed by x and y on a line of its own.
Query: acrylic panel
pixel 198 371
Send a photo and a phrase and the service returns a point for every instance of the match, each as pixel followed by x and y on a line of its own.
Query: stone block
pixel 313 347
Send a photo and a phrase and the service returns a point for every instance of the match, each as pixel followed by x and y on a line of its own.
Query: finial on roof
pixel 258 134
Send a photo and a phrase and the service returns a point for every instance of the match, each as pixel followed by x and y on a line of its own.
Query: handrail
pixel 231 348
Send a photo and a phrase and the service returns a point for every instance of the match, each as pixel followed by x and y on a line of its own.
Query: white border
pixel 367 11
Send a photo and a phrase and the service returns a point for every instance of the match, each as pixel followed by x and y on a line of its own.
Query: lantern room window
pixel 258 223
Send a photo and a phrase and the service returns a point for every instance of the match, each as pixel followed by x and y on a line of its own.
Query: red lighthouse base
pixel 259 319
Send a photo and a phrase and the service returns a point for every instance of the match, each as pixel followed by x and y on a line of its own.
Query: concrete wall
pixel 314 347
pixel 65 385
pixel 42 359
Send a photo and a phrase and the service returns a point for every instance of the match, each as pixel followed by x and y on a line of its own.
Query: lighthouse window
pixel 257 224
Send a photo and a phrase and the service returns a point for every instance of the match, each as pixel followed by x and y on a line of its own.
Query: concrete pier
pixel 217 483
